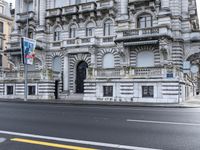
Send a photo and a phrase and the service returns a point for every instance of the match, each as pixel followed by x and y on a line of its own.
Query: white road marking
pixel 118 146
pixel 2 140
pixel 163 122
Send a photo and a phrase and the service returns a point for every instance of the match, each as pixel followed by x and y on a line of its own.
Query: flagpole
pixel 25 64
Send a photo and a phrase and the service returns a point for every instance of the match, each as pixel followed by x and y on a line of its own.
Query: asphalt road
pixel 55 127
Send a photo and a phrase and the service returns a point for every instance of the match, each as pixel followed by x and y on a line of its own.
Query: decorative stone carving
pixel 120 48
pixel 165 50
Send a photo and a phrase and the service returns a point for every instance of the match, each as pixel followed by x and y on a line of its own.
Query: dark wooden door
pixel 56 93
pixel 80 76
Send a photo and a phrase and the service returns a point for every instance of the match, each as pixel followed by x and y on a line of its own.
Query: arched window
pixel 30 33
pixel 57 64
pixel 56 35
pixel 72 31
pixel 108 28
pixel 145 59
pixel 90 29
pixel 108 61
pixel 145 21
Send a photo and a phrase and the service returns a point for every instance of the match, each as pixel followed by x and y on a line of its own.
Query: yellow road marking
pixel 50 144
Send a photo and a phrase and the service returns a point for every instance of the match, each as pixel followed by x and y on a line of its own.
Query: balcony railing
pixel 89 40
pixel 105 4
pixel 69 10
pixel 145 32
pixel 139 72
pixel 107 39
pixel 55 44
pixel 115 72
pixel 79 41
pixel 87 7
pixel 54 12
pixel 22 17
pixel 72 41
pixel 37 75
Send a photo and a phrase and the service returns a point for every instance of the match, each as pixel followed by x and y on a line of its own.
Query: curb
pixel 102 103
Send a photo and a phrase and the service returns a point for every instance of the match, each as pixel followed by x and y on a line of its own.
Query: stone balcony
pixel 69 10
pixel 144 33
pixel 22 17
pixel 33 75
pixel 87 7
pixel 14 46
pixel 107 39
pixel 105 4
pixel 138 72
pixel 88 41
pixel 55 12
pixel 55 44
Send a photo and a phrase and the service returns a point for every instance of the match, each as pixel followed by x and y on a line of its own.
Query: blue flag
pixel 28 50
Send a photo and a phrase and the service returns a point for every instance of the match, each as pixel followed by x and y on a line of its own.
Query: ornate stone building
pixel 5 30
pixel 106 50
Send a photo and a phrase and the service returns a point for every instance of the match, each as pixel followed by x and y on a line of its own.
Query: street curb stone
pixel 102 103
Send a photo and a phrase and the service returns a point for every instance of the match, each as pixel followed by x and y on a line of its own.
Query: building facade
pixel 105 50
pixel 5 31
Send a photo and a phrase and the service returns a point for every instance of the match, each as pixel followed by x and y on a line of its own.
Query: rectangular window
pixel 170 74
pixel 56 36
pixel 1 27
pixel 89 32
pixel 1 61
pixel 1 44
pixel 1 9
pixel 31 90
pixel 108 91
pixel 147 91
pixel 10 90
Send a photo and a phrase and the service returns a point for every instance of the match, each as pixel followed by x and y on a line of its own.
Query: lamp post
pixel 25 63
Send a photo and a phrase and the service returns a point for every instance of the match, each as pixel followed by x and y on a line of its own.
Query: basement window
pixel 31 90
pixel 10 90
pixel 108 91
pixel 147 91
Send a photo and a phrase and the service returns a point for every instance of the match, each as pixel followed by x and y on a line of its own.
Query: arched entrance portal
pixel 80 76
pixel 195 61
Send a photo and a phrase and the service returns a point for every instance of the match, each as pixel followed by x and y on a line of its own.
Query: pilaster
pixel 17 10
pixel 66 73
pixel 165 5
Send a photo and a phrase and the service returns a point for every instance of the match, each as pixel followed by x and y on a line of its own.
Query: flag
pixel 28 50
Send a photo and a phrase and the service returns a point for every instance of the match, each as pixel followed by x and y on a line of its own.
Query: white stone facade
pixel 109 50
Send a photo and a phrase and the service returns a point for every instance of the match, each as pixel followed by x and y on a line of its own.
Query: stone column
pixel 93 57
pixel 42 12
pixel 124 9
pixel 66 73
pixel 165 5
pixel 185 7
pixel 17 10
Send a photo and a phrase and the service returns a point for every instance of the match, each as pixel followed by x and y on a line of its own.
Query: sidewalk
pixel 192 103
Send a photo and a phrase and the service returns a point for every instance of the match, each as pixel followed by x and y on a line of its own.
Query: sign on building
pixel 28 50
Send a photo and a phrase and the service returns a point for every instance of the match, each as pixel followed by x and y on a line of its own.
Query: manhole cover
pixel 2 140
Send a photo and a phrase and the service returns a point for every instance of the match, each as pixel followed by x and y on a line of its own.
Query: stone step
pixel 71 97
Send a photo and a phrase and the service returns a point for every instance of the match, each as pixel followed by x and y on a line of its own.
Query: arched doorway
pixel 57 64
pixel 194 60
pixel 80 76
